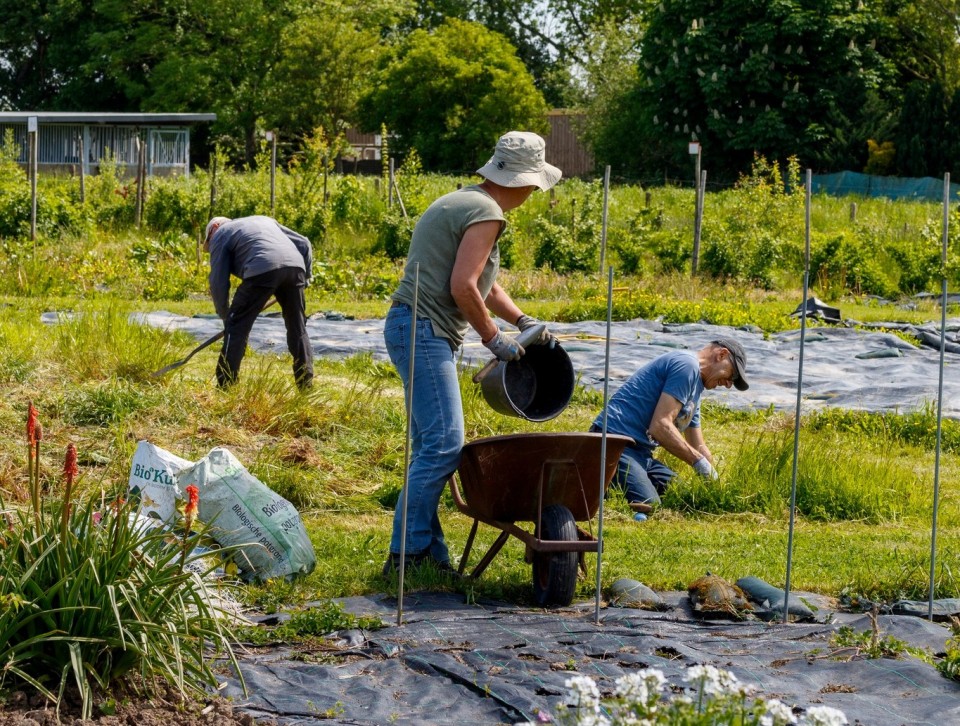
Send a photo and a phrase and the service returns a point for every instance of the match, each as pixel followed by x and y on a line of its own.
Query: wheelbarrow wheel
pixel 555 573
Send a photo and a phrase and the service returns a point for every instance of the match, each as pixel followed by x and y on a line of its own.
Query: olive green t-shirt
pixel 436 239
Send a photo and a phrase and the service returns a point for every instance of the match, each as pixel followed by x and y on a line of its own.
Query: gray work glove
pixel 504 348
pixel 705 469
pixel 547 338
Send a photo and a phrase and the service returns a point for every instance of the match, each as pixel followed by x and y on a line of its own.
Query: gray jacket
pixel 250 246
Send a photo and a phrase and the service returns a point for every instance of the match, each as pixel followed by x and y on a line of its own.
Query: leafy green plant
pixel 849 644
pixel 949 665
pixel 92 597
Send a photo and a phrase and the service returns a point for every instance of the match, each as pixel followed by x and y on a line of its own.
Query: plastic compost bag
pixel 241 510
pixel 153 481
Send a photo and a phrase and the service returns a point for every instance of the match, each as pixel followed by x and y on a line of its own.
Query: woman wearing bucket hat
pixel 455 245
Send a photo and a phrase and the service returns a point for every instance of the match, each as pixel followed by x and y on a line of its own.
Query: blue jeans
pixel 642 477
pixel 437 430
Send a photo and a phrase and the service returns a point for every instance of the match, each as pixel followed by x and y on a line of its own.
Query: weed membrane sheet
pixel 843 367
pixel 493 663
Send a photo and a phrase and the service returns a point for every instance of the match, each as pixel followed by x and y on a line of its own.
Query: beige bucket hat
pixel 518 161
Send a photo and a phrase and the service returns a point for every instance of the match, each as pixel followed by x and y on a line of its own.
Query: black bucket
pixel 537 387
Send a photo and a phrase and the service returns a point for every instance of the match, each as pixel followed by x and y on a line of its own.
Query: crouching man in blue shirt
pixel 659 405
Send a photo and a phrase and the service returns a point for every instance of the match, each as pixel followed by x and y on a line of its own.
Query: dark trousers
pixel 287 284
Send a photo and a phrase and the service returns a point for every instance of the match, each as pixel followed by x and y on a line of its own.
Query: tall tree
pixel 783 78
pixel 46 63
pixel 450 93
pixel 325 58
pixel 257 64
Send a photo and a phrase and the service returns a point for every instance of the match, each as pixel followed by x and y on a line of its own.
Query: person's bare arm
pixel 694 437
pixel 500 303
pixel 665 431
pixel 472 256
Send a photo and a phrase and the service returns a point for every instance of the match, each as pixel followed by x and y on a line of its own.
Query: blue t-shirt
pixel 630 409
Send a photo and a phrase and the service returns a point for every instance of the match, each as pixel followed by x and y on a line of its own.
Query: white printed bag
pixel 153 481
pixel 241 510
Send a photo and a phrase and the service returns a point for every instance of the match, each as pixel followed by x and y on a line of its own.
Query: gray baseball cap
pixel 739 357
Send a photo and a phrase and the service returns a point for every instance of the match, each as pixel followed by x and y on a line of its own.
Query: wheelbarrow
pixel 551 480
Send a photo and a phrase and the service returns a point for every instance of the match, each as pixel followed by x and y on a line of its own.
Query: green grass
pixel 864 486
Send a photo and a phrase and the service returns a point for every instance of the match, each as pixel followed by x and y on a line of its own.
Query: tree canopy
pixel 838 83
pixel 451 92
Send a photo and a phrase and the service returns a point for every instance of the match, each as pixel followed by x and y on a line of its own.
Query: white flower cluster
pixel 715 696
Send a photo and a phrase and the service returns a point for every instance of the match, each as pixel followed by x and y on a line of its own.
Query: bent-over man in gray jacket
pixel 270 260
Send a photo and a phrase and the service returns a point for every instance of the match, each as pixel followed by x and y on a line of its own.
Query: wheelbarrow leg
pixel 491 553
pixel 466 549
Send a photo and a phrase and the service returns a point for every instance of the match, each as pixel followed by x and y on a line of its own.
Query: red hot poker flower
pixel 193 499
pixel 70 469
pixel 31 424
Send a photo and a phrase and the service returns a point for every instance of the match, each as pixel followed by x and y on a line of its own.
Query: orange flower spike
pixel 70 469
pixel 193 499
pixel 31 424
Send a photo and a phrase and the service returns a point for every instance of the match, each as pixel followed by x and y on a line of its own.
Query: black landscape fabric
pixel 494 663
pixel 844 367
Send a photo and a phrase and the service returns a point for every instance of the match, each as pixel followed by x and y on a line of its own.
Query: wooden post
pixel 390 183
pixel 213 181
pixel 138 214
pixel 32 135
pixel 272 138
pixel 83 166
pixel 853 211
pixel 142 186
pixel 647 197
pixel 698 221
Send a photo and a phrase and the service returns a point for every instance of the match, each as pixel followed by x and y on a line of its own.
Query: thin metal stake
pixel 603 226
pixel 943 333
pixel 603 441
pixel 406 444
pixel 796 422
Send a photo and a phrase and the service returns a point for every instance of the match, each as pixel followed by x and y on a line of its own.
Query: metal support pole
pixel 406 446
pixel 603 442
pixel 943 333
pixel 603 226
pixel 796 421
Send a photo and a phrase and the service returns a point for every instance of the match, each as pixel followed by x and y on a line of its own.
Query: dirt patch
pixel 19 710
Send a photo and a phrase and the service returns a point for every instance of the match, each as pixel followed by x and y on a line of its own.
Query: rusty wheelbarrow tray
pixel 549 479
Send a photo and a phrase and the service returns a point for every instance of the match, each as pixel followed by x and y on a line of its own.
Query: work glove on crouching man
pixel 705 469
pixel 504 347
pixel 546 338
